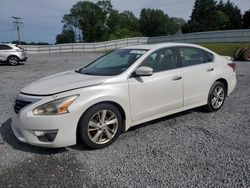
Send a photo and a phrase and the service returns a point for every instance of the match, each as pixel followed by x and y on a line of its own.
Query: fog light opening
pixel 46 136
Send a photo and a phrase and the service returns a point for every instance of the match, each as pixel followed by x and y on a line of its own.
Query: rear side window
pixel 4 47
pixel 192 56
pixel 209 56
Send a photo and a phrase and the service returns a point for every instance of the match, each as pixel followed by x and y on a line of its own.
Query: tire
pixel 241 54
pixel 236 54
pixel 93 131
pixel 247 55
pixel 216 97
pixel 13 60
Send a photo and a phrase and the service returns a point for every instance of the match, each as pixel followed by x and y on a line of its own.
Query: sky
pixel 42 18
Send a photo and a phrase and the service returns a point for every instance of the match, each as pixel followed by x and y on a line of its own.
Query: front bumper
pixel 25 125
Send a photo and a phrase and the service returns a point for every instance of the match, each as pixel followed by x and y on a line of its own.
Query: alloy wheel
pixel 218 97
pixel 13 61
pixel 102 127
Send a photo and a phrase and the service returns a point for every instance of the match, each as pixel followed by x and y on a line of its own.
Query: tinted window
pixel 209 56
pixel 192 56
pixel 162 60
pixel 4 47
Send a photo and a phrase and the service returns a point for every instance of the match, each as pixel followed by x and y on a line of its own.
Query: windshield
pixel 114 63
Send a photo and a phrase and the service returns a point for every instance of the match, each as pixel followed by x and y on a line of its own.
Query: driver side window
pixel 162 60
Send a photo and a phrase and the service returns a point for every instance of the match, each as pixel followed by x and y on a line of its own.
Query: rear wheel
pixel 247 55
pixel 216 97
pixel 100 126
pixel 13 60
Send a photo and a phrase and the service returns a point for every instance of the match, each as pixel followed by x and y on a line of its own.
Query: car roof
pixel 8 44
pixel 160 45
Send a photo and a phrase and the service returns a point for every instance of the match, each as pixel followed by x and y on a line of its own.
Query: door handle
pixel 210 69
pixel 177 78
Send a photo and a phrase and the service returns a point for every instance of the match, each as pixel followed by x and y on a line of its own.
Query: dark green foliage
pixel 100 22
pixel 123 25
pixel 234 14
pixel 246 20
pixel 32 43
pixel 154 23
pixel 67 36
pixel 207 15
pixel 89 17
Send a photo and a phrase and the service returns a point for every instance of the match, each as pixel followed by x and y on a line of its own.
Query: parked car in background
pixel 12 53
pixel 127 87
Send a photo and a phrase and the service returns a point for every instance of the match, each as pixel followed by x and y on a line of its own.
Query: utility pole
pixel 17 23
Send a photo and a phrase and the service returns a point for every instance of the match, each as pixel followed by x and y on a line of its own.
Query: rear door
pixel 198 70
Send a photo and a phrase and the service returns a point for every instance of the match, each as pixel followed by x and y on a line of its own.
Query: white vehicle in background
pixel 12 54
pixel 127 87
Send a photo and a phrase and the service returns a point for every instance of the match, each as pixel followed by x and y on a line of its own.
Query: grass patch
pixel 227 49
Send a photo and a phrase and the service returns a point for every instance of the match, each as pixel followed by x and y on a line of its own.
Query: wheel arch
pixel 224 82
pixel 12 55
pixel 118 106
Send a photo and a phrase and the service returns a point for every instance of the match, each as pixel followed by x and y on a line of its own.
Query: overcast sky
pixel 42 18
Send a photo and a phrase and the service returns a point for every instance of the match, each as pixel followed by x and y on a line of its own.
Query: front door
pixel 153 96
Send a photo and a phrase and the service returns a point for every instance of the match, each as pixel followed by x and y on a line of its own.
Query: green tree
pixel 90 18
pixel 67 36
pixel 122 25
pixel 206 16
pixel 246 20
pixel 233 12
pixel 106 6
pixel 176 25
pixel 154 23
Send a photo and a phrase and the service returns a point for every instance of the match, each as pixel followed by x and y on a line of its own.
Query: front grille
pixel 19 104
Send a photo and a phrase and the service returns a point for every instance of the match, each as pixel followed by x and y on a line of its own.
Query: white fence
pixel 200 37
pixel 84 47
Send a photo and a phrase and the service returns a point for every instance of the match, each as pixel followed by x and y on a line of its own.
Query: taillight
pixel 232 65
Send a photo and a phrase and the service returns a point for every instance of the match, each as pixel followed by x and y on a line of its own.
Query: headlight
pixel 56 107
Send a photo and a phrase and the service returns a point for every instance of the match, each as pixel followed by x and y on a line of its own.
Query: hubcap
pixel 102 126
pixel 218 97
pixel 13 61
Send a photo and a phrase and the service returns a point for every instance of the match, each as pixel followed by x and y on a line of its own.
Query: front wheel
pixel 13 60
pixel 216 97
pixel 100 126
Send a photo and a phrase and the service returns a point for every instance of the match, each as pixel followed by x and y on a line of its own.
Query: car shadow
pixel 8 137
pixel 8 65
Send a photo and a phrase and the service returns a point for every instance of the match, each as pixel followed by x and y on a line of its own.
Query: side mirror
pixel 144 71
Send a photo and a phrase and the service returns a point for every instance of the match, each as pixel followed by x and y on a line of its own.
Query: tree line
pixel 208 15
pixel 95 22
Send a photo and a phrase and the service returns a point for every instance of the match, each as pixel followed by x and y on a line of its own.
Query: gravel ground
pixel 188 149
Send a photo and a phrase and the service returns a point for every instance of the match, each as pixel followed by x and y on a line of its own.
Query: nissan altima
pixel 127 87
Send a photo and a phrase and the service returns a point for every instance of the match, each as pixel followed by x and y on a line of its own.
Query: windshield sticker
pixel 141 52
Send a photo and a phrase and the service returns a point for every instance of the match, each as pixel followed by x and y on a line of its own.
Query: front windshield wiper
pixel 80 71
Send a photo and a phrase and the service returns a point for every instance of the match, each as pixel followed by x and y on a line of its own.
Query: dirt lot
pixel 193 148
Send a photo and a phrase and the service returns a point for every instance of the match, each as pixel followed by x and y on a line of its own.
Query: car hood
pixel 61 82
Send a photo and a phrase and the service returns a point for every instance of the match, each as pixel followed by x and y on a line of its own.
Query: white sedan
pixel 127 87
